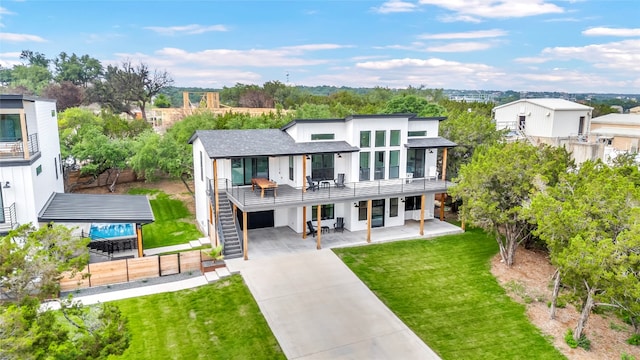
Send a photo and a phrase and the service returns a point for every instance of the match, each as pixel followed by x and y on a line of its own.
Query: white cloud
pixel 494 9
pixel 478 34
pixel 531 60
pixel 5 11
pixel 315 47
pixel 457 18
pixel 461 47
pixel 395 6
pixel 606 31
pixel 13 37
pixel 9 59
pixel 192 29
pixel 622 55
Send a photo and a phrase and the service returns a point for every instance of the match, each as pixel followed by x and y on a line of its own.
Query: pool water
pixel 112 231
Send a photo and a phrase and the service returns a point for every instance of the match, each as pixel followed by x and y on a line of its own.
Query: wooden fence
pixel 120 271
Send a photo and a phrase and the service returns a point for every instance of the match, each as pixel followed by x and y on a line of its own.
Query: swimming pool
pixel 101 231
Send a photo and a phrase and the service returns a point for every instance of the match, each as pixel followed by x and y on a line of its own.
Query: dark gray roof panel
pixel 434 142
pixel 220 144
pixel 97 208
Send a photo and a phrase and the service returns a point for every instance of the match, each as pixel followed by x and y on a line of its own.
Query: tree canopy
pixel 497 185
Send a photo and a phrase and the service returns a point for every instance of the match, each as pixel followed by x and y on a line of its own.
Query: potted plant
pixel 213 259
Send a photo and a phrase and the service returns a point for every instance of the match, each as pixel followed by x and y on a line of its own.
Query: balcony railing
pixel 15 150
pixel 285 195
pixel 9 221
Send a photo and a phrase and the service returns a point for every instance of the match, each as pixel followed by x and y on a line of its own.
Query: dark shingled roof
pixel 220 144
pixel 434 142
pixel 97 208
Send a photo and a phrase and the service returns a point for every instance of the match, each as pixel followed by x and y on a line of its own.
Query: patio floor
pixel 268 242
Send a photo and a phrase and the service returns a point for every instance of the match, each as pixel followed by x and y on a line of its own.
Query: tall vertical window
pixel 55 165
pixel 394 138
pixel 201 168
pixel 326 212
pixel 380 138
pixel 365 139
pixel 394 164
pixel 416 162
pixel 393 207
pixel 10 127
pixel 322 166
pixel 291 168
pixel 379 165
pixel 1 208
pixel 365 167
pixel 362 210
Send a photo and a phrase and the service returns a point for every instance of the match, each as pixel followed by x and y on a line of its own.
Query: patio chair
pixel 338 225
pixel 312 230
pixel 312 185
pixel 339 181
pixel 433 173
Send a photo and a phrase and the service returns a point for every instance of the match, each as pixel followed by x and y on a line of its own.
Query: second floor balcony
pixel 19 149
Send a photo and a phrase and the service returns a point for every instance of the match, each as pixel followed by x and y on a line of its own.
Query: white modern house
pixel 363 171
pixel 30 166
pixel 555 122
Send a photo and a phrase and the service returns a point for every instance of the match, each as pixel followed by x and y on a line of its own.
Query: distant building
pixel 620 133
pixel 555 122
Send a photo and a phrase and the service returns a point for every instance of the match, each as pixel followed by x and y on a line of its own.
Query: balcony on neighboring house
pixel 8 220
pixel 19 149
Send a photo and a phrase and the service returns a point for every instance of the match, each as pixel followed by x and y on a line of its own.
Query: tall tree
pixel 469 130
pixel 404 104
pixel 79 70
pixel 128 85
pixel 66 94
pixel 497 185
pixel 589 222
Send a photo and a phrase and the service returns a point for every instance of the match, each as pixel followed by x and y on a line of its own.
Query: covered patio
pixel 269 242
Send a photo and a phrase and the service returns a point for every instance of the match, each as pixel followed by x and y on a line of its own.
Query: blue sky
pixel 525 45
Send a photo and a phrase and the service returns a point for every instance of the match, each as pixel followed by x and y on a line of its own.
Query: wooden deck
pixel 287 196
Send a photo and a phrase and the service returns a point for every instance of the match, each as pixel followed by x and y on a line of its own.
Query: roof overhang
pixel 81 208
pixel 429 143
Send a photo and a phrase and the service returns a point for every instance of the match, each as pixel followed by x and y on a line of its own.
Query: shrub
pixel 625 356
pixel 582 342
pixel 634 339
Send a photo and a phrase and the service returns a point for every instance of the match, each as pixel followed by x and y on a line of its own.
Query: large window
pixel 10 127
pixel 326 212
pixel 379 166
pixel 323 136
pixel 365 139
pixel 245 169
pixel 394 164
pixel 380 138
pixel 322 167
pixel 394 139
pixel 412 203
pixel 365 167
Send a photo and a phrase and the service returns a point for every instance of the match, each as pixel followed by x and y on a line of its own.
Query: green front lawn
pixel 173 225
pixel 443 290
pixel 217 321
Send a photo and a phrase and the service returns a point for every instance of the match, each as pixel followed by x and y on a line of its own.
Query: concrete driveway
pixel 318 309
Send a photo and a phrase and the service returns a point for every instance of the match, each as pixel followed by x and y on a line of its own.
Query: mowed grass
pixel 217 321
pixel 443 290
pixel 173 222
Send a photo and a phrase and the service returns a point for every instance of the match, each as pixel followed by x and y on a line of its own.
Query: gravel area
pixel 130 285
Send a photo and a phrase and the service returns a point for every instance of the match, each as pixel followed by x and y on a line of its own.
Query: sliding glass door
pixel 245 169
pixel 415 162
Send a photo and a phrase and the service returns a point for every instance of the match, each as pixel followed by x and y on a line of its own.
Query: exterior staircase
pixel 232 247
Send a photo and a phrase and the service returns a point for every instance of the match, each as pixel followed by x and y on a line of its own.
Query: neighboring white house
pixel 555 122
pixel 619 133
pixel 30 166
pixel 388 163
